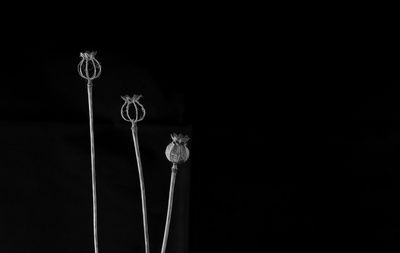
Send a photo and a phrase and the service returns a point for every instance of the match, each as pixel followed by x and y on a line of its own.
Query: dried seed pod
pixel 139 113
pixel 177 151
pixel 89 68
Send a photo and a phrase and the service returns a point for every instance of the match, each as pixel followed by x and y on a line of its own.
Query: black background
pixel 193 80
pixel 294 130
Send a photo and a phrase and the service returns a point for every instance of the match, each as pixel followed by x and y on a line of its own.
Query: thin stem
pixel 142 187
pixel 90 103
pixel 170 202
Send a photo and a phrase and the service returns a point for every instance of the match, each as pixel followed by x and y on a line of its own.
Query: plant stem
pixel 170 202
pixel 90 103
pixel 142 187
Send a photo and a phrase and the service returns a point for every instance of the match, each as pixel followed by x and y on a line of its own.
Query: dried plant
pixel 135 117
pixel 177 152
pixel 89 68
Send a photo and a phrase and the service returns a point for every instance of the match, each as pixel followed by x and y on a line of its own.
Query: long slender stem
pixel 142 187
pixel 170 202
pixel 94 198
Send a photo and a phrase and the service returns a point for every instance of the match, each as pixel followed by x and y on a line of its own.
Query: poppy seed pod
pixel 139 112
pixel 177 151
pixel 89 68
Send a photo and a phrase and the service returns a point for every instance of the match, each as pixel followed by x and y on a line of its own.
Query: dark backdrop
pixel 192 82
pixel 294 126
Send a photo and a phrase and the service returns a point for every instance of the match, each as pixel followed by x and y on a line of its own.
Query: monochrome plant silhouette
pixel 131 111
pixel 176 152
pixel 89 68
pixel 136 116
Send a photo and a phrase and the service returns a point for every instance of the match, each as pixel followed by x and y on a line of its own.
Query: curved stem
pixel 170 202
pixel 92 155
pixel 142 188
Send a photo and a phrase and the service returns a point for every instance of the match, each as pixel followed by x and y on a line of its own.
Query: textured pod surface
pixel 177 151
